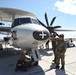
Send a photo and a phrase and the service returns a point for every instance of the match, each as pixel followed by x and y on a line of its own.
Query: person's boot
pixel 57 66
pixel 62 68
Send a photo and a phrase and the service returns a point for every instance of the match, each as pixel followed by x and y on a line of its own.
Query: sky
pixel 64 10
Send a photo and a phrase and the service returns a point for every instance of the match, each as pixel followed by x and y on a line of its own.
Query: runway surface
pixel 46 66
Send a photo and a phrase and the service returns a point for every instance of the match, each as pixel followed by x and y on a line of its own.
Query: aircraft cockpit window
pixel 20 21
pixel 34 21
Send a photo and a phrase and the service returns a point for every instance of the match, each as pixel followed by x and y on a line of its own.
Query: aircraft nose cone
pixel 41 35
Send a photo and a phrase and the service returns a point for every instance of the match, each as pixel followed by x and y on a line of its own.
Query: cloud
pixel 67 6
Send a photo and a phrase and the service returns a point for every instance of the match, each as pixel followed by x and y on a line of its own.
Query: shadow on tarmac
pixel 57 71
pixel 37 70
pixel 8 63
pixel 44 52
pixel 9 52
pixel 60 72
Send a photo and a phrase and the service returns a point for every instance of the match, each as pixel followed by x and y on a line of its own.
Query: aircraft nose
pixel 41 35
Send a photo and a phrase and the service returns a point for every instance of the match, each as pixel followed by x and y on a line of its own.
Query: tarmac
pixel 46 66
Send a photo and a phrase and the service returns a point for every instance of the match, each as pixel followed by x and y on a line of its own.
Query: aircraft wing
pixel 8 14
pixel 64 30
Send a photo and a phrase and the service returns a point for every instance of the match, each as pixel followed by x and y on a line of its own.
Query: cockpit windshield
pixel 34 21
pixel 20 21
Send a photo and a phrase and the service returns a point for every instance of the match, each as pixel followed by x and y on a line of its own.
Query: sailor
pixel 60 52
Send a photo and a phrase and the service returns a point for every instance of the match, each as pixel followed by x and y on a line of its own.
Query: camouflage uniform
pixel 60 52
pixel 54 47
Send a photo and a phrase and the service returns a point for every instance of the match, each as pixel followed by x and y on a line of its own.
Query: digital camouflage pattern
pixel 60 52
pixel 61 46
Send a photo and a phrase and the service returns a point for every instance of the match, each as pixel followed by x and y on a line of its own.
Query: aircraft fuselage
pixel 29 35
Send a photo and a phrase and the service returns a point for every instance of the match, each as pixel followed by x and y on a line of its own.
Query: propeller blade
pixel 47 44
pixel 51 29
pixel 53 33
pixel 56 33
pixel 52 21
pixel 41 23
pixel 57 27
pixel 46 19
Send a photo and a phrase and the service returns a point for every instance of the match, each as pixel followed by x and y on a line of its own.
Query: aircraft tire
pixel 73 45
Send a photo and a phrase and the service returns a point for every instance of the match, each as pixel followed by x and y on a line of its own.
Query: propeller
pixel 49 26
